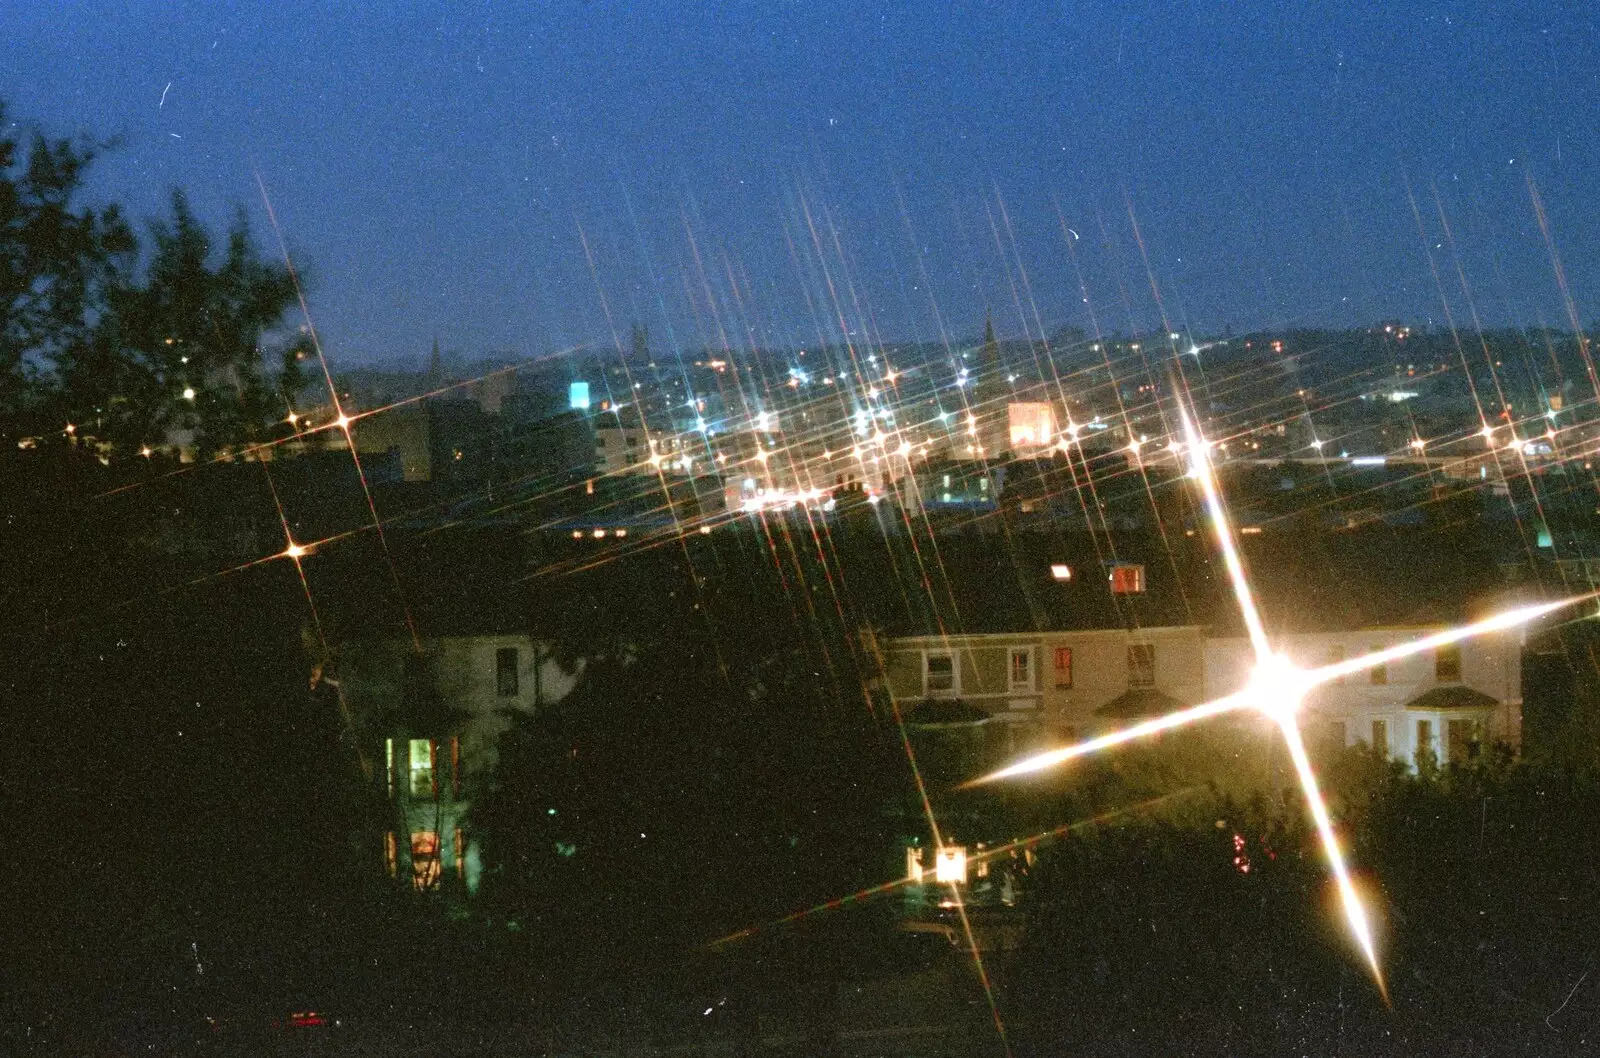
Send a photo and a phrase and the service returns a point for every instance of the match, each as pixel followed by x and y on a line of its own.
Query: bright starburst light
pixel 1277 688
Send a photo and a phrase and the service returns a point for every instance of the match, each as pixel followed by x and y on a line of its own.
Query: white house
pixel 1448 701
pixel 434 719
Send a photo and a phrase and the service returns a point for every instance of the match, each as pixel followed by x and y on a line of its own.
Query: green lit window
pixel 422 779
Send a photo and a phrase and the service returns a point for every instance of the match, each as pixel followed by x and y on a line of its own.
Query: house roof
pixel 1457 697
pixel 477 580
pixel 1139 703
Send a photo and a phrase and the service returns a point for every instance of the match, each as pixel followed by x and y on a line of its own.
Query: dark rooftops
pixel 478 580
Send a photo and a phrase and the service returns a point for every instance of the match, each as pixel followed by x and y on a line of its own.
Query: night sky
pixel 433 167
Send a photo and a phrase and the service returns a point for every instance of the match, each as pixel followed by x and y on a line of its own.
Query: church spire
pixel 989 354
pixel 991 394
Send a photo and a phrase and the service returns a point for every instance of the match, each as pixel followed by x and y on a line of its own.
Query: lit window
pixel 1141 665
pixel 1022 669
pixel 950 868
pixel 391 854
pixel 425 859
pixel 455 767
pixel 939 673
pixel 1380 736
pixel 388 766
pixel 1447 664
pixel 913 864
pixel 1063 668
pixel 1061 571
pixel 460 848
pixel 1127 580
pixel 422 784
pixel 505 672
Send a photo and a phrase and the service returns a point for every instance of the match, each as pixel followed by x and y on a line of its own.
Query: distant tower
pixel 991 395
pixel 435 366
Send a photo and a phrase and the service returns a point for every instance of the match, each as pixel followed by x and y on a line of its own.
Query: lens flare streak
pixel 1054 757
pixel 1277 689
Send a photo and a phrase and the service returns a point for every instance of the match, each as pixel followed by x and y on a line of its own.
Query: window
pixel 1064 668
pixel 1127 580
pixel 1380 673
pixel 1022 669
pixel 950 865
pixel 455 767
pixel 459 846
pixel 1336 734
pixel 1142 665
pixel 1380 736
pixel 391 853
pixel 425 859
pixel 1462 739
pixel 505 672
pixel 422 779
pixel 388 766
pixel 1425 741
pixel 939 673
pixel 1447 663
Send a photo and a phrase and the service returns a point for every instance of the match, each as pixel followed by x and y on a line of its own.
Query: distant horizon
pixel 418 363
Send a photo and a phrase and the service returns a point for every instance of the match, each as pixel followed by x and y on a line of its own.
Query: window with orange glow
pixel 1127 580
pixel 425 859
pixel 1063 668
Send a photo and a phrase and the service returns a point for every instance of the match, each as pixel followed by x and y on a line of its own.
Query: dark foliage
pixel 127 346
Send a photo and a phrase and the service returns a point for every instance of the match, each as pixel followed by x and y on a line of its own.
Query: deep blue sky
pixel 432 165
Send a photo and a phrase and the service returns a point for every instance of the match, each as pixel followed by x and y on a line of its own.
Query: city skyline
pixel 527 183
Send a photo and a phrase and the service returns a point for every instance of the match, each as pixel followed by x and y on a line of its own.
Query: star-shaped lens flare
pixel 1277 688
